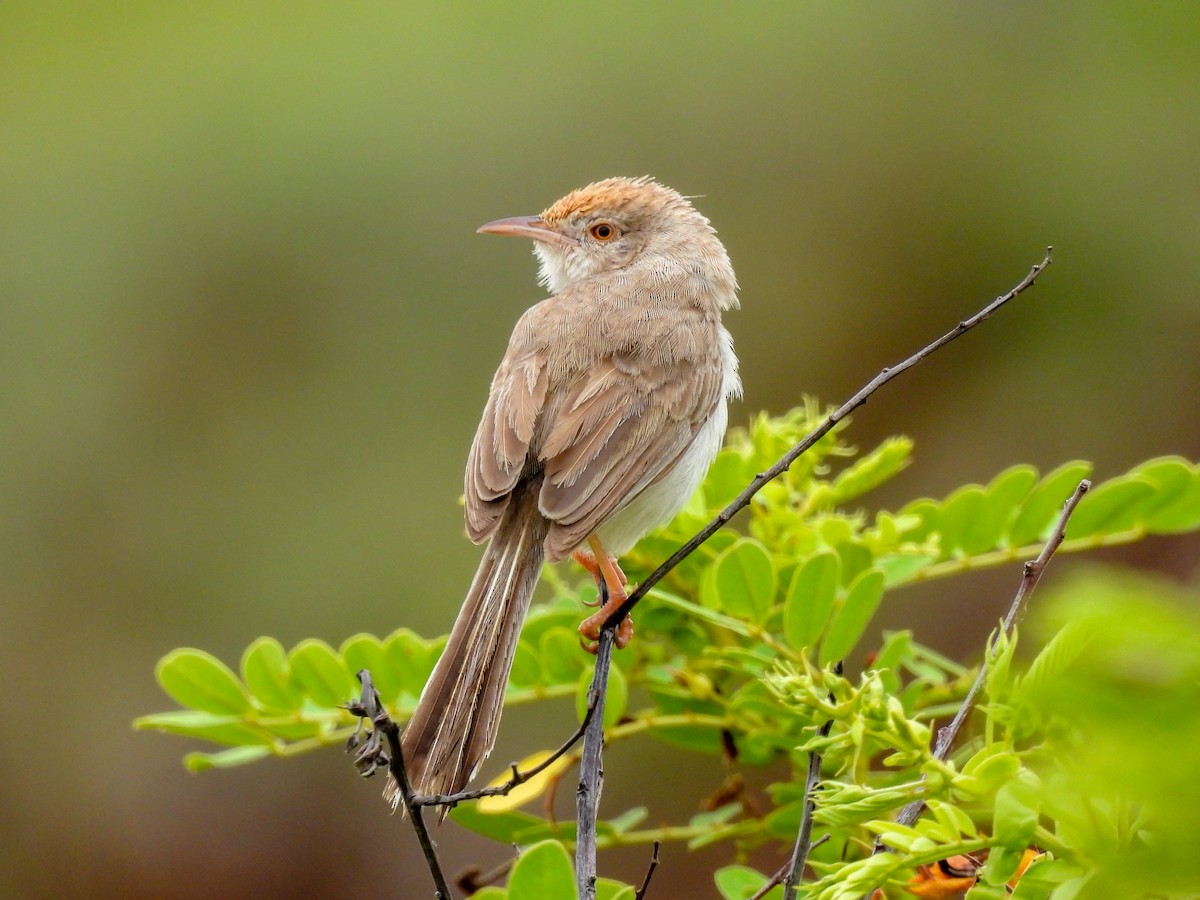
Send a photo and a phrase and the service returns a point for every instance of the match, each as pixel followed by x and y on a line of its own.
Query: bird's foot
pixel 589 628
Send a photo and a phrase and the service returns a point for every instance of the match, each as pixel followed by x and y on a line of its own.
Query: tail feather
pixel 454 726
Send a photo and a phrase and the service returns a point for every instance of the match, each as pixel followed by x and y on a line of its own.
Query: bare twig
pixel 777 879
pixel 641 892
pixel 743 499
pixel 591 771
pixel 517 777
pixel 372 756
pixel 1032 573
pixel 804 845
pixel 772 882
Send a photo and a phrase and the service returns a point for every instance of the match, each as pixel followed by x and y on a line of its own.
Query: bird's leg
pixel 588 561
pixel 606 568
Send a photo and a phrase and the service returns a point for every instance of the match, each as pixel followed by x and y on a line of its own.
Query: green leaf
pixel 491 892
pixel 541 872
pixel 1041 509
pixel 225 759
pixel 322 674
pixel 526 668
pixel 727 477
pixel 961 514
pixel 1172 477
pixel 199 680
pixel 408 656
pixel 608 889
pixel 1177 508
pixel 503 827
pixel 1113 506
pixel 740 882
pixel 1005 495
pixel 901 568
pixel 927 514
pixel 855 559
pixel 216 727
pixel 851 620
pixel 878 466
pixel 265 671
pixel 629 819
pixel 365 651
pixel 810 599
pixel 743 581
pixel 560 656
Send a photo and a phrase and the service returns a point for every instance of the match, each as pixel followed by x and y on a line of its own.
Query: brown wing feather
pixel 617 443
pixel 501 445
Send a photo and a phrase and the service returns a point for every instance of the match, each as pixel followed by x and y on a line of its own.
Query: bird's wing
pixel 501 447
pixel 620 427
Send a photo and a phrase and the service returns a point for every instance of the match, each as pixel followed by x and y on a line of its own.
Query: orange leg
pixel 603 566
pixel 588 561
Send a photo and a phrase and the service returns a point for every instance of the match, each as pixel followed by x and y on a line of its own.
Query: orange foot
pixel 605 570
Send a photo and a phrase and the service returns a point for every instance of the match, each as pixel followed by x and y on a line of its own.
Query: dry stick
pixel 641 892
pixel 804 845
pixel 372 756
pixel 590 771
pixel 1031 574
pixel 763 478
pixel 804 836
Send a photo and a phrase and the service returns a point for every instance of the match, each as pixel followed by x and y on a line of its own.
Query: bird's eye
pixel 603 231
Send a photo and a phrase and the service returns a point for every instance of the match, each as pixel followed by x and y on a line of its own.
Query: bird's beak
pixel 528 227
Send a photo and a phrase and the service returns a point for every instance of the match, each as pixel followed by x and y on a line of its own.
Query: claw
pixel 610 579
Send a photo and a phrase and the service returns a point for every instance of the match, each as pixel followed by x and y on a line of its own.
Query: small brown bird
pixel 603 417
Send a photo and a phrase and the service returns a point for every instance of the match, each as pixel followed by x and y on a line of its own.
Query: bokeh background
pixel 246 328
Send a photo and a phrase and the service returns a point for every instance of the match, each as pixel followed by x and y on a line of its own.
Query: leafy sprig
pixel 733 656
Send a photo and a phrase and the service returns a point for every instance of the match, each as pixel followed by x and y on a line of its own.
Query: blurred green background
pixel 246 329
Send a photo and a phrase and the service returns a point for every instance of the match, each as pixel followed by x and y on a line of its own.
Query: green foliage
pixel 544 870
pixel 734 655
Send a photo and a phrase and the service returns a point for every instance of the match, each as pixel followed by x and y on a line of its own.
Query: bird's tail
pixel 454 726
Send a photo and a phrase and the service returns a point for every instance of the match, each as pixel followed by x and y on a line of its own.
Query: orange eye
pixel 603 231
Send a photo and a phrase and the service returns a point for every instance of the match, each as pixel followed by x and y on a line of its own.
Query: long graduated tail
pixel 454 726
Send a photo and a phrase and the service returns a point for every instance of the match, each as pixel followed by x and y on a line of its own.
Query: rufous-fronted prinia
pixel 605 413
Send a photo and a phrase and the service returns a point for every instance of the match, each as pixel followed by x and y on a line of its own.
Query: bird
pixel 602 419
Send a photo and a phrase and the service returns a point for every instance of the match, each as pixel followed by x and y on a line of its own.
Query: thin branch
pixel 641 892
pixel 1031 574
pixel 795 872
pixel 785 462
pixel 777 879
pixel 373 756
pixel 804 845
pixel 591 771
pixel 517 777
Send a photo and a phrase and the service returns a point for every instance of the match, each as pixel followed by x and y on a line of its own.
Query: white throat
pixel 558 271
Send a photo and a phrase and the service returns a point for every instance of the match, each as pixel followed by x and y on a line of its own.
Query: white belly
pixel 658 503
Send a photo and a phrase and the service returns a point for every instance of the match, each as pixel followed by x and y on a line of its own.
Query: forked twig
pixel 372 756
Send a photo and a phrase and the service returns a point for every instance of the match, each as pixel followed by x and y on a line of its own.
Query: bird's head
pixel 610 225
